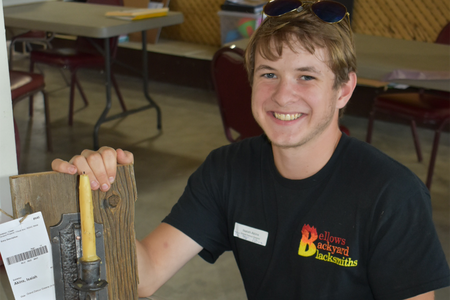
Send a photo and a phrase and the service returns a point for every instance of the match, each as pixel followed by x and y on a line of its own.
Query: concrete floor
pixel 163 161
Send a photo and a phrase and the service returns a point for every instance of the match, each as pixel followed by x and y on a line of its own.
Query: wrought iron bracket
pixel 66 249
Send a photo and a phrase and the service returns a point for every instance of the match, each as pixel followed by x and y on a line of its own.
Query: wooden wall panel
pixel 402 19
pixel 201 22
pixel 419 20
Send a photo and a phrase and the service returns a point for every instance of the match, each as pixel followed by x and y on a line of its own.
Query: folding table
pixel 88 20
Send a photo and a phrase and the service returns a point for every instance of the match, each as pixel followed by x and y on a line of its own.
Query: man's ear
pixel 346 90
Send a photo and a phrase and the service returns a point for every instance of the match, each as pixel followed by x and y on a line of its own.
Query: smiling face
pixel 293 98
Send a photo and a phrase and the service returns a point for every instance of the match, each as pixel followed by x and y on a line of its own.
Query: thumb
pixel 63 166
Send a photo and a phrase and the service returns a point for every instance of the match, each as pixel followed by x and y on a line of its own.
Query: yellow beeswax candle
pixel 87 220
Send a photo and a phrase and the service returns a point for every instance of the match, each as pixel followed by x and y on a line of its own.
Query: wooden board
pixel 55 194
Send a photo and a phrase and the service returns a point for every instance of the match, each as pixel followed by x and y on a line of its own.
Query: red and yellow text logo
pixel 325 247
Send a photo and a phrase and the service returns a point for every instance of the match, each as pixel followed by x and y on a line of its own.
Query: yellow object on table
pixel 87 220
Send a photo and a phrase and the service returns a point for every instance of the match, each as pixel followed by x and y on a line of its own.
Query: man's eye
pixel 307 78
pixel 269 75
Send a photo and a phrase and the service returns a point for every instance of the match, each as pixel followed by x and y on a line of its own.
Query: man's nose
pixel 284 92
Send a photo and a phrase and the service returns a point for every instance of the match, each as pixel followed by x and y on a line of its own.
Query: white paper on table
pixel 152 4
pixel 27 256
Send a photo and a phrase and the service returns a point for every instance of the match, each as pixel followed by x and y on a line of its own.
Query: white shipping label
pixel 27 255
pixel 251 234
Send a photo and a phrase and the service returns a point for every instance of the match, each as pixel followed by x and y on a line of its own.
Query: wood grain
pixel 55 194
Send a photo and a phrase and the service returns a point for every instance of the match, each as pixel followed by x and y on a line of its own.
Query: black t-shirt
pixel 360 228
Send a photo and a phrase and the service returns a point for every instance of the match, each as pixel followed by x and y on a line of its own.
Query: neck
pixel 306 160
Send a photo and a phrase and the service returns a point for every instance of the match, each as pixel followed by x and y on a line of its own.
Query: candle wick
pixel 84 173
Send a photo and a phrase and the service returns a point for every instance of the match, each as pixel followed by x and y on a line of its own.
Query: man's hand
pixel 99 165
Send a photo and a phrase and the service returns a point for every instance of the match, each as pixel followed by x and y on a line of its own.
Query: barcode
pixel 26 255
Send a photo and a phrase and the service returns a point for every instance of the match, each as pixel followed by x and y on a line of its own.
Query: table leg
pixel 145 76
pixel 102 118
pixel 152 104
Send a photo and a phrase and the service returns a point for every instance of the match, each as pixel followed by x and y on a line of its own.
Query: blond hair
pixel 306 29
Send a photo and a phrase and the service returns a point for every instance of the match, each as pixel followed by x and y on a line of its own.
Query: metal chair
pixel 234 94
pixel 427 107
pixel 24 84
pixel 87 53
pixel 30 37
pixel 444 35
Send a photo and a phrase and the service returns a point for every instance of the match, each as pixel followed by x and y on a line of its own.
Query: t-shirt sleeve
pixel 406 257
pixel 199 213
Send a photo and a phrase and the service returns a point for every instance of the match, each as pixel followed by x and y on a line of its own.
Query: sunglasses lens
pixel 329 11
pixel 279 7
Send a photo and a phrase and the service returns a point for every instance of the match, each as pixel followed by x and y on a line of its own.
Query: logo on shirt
pixel 325 247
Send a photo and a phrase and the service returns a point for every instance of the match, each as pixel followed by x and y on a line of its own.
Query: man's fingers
pixel 63 166
pixel 124 157
pixel 100 166
pixel 93 166
pixel 109 157
pixel 83 167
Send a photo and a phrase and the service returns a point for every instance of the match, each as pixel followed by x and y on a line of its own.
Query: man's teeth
pixel 287 117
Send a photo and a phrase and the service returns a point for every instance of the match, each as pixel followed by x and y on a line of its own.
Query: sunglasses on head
pixel 328 11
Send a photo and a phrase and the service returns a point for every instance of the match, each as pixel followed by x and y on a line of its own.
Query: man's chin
pixel 287 143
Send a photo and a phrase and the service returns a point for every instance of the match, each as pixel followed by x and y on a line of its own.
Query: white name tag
pixel 251 234
pixel 27 255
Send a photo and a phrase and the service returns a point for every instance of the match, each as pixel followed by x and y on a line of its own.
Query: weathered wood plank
pixel 51 193
pixel 55 194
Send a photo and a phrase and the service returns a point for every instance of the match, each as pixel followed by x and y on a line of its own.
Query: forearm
pixel 426 296
pixel 160 255
pixel 146 287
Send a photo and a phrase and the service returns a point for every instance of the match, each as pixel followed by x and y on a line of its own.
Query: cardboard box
pixel 237 25
pixel 152 34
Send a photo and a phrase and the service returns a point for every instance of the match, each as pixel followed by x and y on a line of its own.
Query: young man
pixel 308 212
